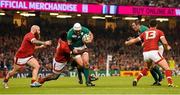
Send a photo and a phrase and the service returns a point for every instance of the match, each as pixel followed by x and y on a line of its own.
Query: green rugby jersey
pixel 76 40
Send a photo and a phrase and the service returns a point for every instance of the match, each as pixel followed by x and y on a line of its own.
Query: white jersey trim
pixel 162 36
pixel 139 38
pixel 33 39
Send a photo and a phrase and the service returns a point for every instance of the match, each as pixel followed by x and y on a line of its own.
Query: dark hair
pixel 137 22
pixel 152 23
pixel 63 36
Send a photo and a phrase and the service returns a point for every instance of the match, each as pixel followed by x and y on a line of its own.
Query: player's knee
pixel 85 54
pixel 80 64
pixel 86 65
pixel 86 62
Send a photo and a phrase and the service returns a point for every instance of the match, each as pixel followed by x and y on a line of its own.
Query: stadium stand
pixel 106 42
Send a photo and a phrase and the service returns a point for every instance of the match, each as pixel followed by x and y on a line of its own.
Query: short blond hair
pixel 34 27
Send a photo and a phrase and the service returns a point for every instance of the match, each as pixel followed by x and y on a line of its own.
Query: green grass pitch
pixel 105 85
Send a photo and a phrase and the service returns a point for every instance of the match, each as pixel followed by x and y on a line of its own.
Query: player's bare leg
pixel 50 77
pixel 10 74
pixel 85 58
pixel 54 76
pixel 79 60
pixel 35 65
pixel 163 63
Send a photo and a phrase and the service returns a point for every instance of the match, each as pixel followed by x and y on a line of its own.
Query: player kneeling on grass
pixel 61 57
pixel 25 55
pixel 78 37
pixel 151 37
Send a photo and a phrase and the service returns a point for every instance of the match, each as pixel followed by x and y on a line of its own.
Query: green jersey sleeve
pixel 69 34
pixel 143 28
pixel 85 30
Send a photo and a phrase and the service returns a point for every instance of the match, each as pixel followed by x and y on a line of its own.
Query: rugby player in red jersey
pixel 151 37
pixel 24 55
pixel 154 69
pixel 61 57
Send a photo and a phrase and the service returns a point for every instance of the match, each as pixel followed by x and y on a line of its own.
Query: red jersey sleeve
pixel 30 37
pixel 67 50
pixel 141 37
pixel 161 34
pixel 64 46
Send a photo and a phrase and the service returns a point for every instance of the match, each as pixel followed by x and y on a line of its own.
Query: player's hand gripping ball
pixel 86 38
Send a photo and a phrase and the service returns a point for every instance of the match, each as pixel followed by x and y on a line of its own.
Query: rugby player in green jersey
pixel 79 48
pixel 156 73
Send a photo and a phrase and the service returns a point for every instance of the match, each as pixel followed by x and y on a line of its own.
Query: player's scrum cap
pixel 77 26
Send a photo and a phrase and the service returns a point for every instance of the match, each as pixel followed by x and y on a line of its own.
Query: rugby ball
pixel 86 38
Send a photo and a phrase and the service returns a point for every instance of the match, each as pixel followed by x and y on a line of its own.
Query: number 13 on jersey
pixel 150 35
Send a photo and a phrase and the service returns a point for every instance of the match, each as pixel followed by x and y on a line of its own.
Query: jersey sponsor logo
pixel 74 36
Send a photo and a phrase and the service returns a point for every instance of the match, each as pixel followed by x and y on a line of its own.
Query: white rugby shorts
pixel 153 55
pixel 22 61
pixel 58 67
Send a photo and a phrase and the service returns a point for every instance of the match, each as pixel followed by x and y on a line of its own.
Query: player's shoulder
pixel 143 28
pixel 29 34
pixel 63 43
pixel 159 31
pixel 70 31
pixel 85 28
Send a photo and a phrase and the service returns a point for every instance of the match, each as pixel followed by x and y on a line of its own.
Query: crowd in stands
pixel 105 42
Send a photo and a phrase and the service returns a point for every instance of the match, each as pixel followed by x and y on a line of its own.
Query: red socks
pixel 168 74
pixel 8 75
pixel 143 73
pixel 32 81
